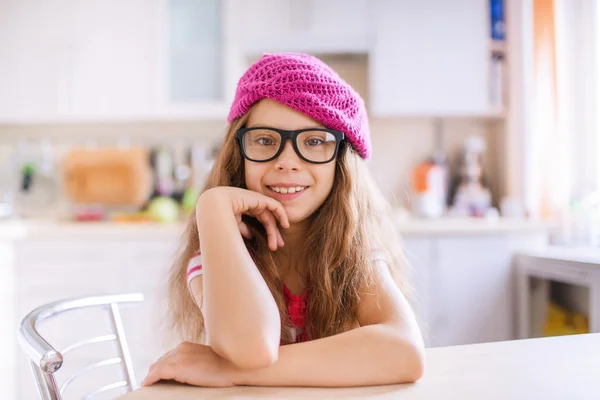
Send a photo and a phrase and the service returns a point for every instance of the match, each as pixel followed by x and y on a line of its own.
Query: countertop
pixel 18 229
pixel 588 256
pixel 564 367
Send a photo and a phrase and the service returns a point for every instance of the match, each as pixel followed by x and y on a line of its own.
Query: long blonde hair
pixel 352 222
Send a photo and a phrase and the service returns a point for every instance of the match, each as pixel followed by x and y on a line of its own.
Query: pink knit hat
pixel 308 85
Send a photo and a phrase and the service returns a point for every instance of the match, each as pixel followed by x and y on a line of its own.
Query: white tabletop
pixel 565 367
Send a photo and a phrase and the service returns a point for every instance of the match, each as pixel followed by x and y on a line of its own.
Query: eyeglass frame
pixel 292 135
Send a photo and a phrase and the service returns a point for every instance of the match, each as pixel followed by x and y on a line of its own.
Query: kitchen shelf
pixel 212 111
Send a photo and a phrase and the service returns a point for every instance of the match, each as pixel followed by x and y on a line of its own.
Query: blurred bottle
pixel 471 197
pixel 38 184
pixel 430 180
pixel 161 160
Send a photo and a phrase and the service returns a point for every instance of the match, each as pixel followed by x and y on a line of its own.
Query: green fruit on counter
pixel 163 209
pixel 190 197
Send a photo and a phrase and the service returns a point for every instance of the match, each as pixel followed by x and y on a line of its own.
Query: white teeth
pixel 290 190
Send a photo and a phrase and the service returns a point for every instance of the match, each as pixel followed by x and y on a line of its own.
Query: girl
pixel 286 278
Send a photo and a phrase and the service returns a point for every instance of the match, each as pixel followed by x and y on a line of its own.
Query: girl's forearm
pixel 241 317
pixel 369 355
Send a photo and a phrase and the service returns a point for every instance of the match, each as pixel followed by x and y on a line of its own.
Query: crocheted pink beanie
pixel 308 85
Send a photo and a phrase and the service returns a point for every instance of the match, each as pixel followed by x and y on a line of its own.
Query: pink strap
pixel 194 268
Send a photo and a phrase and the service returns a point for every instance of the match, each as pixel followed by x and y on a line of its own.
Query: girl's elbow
pixel 418 368
pixel 412 367
pixel 260 356
pixel 250 355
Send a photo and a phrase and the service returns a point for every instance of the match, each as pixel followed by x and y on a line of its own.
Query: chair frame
pixel 45 360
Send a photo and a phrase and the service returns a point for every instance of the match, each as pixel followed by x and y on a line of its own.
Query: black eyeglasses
pixel 313 145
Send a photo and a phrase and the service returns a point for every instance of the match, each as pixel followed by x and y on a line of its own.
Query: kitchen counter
pixel 549 368
pixel 17 229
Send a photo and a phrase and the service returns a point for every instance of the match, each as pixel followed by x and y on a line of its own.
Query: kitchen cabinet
pixel 33 59
pixel 71 60
pixel 473 286
pixel 324 26
pixel 104 60
pixel 198 57
pixel 465 284
pixel 430 58
pixel 113 61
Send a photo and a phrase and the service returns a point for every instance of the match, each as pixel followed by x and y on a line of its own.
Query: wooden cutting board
pixel 107 176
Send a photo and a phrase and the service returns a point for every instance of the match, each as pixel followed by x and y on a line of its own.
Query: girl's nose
pixel 288 159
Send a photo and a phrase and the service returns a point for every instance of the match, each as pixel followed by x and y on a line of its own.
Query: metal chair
pixel 45 360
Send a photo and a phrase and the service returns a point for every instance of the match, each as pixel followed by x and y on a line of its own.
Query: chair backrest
pixel 45 360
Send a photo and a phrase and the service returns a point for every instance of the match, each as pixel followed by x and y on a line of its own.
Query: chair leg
pixel 52 386
pixel 46 384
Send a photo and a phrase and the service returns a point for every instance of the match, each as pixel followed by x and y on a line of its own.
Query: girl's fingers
pixel 277 209
pixel 268 220
pixel 244 230
pixel 159 373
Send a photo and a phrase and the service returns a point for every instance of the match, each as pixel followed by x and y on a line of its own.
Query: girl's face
pixel 300 186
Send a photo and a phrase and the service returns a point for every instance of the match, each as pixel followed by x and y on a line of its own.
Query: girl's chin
pixel 296 216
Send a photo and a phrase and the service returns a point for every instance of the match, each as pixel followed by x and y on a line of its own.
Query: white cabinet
pixel 113 64
pixel 33 59
pixel 324 26
pixel 473 287
pixel 465 285
pixel 430 58
pixel 104 60
pixel 198 58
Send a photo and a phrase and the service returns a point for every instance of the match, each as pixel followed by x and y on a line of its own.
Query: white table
pixel 565 367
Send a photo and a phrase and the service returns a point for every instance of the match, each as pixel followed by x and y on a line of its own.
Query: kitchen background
pixel 83 85
pixel 484 122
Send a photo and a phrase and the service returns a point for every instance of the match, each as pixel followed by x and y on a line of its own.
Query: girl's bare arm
pixel 241 317
pixel 386 349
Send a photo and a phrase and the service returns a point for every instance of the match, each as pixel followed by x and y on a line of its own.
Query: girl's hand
pixel 193 364
pixel 265 209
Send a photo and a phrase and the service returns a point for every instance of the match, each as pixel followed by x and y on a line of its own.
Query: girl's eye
pixel 265 141
pixel 314 142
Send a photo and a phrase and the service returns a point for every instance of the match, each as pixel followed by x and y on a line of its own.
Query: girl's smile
pixel 284 192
